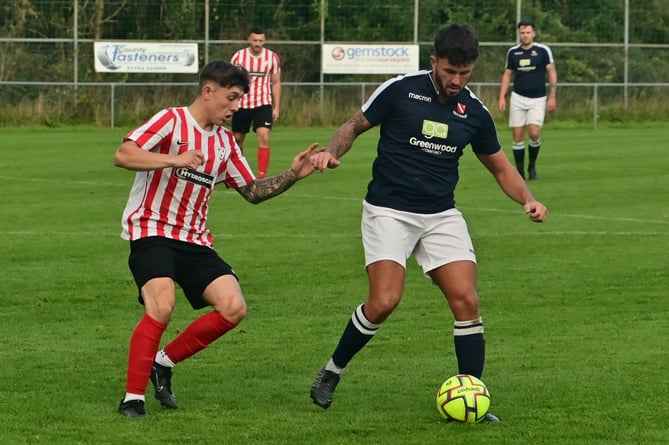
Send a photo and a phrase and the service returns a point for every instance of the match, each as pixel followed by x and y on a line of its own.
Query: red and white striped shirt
pixel 173 202
pixel 260 69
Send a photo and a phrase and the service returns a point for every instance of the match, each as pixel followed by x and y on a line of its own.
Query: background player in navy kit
pixel 528 63
pixel 426 119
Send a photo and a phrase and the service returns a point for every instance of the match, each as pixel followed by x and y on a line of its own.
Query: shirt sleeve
pixel 276 65
pixel 237 172
pixel 485 141
pixel 382 102
pixel 235 58
pixel 549 56
pixel 509 64
pixel 154 131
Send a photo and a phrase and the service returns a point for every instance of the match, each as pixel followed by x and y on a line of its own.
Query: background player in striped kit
pixel 261 105
pixel 179 155
pixel 528 63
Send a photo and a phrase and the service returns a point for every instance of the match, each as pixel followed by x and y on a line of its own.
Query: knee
pixel 466 307
pixel 232 309
pixel 160 309
pixel 379 308
pixel 238 312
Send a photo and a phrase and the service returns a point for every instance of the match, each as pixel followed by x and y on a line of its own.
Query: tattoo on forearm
pixel 343 139
pixel 340 144
pixel 266 188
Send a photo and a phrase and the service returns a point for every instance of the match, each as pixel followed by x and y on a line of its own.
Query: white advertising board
pixel 369 59
pixel 145 57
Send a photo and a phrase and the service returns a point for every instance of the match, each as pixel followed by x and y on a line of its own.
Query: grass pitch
pixel 575 308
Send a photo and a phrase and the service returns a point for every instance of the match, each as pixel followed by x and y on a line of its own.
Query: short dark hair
pixel 256 30
pixel 525 23
pixel 458 43
pixel 225 74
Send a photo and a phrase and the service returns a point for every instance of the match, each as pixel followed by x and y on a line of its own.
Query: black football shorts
pixel 191 266
pixel 260 117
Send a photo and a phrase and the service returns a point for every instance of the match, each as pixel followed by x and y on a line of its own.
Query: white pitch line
pixel 566 215
pixel 58 181
pixel 567 233
pixel 622 219
pixel 509 211
pixel 29 233
pixel 356 199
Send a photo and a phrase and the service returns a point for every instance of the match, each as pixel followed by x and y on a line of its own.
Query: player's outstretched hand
pixel 302 165
pixel 323 159
pixel 536 211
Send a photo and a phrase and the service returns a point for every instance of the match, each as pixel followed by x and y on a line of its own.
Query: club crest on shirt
pixel 220 153
pixel 460 110
pixel 194 176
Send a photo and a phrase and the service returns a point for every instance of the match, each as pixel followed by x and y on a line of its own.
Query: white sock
pixel 163 359
pixel 130 396
pixel 333 368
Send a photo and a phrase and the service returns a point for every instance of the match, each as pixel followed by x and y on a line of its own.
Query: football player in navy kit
pixel 426 120
pixel 528 63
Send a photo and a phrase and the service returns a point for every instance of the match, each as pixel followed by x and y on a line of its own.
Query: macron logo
pixel 420 97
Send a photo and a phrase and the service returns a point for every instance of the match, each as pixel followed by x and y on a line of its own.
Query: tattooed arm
pixel 343 139
pixel 266 188
pixel 341 142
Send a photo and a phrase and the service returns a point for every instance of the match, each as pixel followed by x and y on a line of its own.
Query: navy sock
pixel 469 347
pixel 357 333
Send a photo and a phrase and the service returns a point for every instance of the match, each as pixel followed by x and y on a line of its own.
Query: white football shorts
pixel 434 239
pixel 526 110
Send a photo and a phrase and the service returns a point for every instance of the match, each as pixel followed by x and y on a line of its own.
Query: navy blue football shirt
pixel 421 141
pixel 529 69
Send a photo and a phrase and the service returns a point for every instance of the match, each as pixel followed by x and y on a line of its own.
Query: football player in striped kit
pixel 426 120
pixel 528 63
pixel 179 155
pixel 261 105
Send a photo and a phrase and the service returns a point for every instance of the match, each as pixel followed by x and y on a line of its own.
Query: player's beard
pixel 444 91
pixel 450 93
pixel 526 43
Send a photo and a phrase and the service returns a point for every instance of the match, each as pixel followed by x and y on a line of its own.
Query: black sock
pixel 519 156
pixel 469 347
pixel 534 153
pixel 357 333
